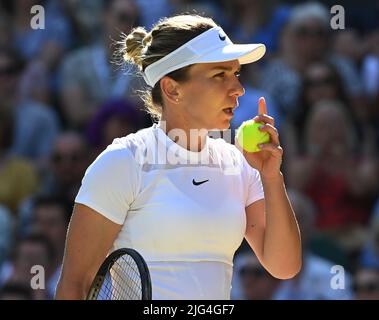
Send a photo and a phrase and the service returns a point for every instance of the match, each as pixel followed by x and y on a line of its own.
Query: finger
pixel 262 109
pixel 272 148
pixel 265 119
pixel 272 131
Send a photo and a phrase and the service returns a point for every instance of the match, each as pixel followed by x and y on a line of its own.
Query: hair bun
pixel 134 44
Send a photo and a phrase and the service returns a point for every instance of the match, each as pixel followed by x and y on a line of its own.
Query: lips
pixel 228 111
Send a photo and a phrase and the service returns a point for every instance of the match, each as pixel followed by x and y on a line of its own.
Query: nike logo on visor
pixel 222 38
pixel 195 183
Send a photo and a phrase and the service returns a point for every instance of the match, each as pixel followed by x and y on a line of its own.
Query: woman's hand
pixel 269 159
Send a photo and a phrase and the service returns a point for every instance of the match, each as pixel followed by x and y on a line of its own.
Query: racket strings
pixel 122 281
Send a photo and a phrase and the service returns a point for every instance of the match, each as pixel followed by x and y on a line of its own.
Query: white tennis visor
pixel 212 45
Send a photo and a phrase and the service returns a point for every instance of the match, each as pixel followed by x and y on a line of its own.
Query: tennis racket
pixel 123 275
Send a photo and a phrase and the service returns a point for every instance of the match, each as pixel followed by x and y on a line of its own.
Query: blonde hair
pixel 143 48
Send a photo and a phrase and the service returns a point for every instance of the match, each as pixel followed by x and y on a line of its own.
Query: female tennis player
pixel 183 200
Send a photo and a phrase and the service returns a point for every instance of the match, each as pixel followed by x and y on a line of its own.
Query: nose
pixel 237 89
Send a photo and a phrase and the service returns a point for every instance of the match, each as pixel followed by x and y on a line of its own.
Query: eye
pixel 237 74
pixel 219 75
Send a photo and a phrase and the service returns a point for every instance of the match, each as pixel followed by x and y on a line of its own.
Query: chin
pixel 225 125
pixel 219 124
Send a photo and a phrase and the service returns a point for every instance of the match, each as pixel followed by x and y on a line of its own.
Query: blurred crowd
pixel 63 99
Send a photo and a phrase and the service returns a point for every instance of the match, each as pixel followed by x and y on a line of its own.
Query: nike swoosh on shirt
pixel 195 183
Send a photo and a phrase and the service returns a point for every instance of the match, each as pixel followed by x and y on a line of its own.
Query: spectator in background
pixel 68 162
pixel 18 177
pixel 35 125
pixel 370 67
pixel 370 75
pixel 63 175
pixel 204 7
pixel 30 251
pixel 115 118
pixel 256 21
pixel 314 280
pixel 16 291
pixel 6 233
pixel 85 19
pixel 250 280
pixel 305 39
pixel 335 174
pixel 366 284
pixel 41 48
pixel 152 11
pixel 48 43
pixel 321 81
pixel 35 83
pixel 5 33
pixel 50 219
pixel 350 44
pixel 89 78
pixel 369 257
pixel 363 18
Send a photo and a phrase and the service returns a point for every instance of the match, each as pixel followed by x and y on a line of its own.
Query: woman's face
pixel 320 83
pixel 210 95
pixel 309 40
pixel 328 130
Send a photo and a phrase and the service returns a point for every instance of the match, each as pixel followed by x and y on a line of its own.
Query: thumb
pixel 262 109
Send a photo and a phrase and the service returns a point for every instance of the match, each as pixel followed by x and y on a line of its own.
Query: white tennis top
pixel 183 211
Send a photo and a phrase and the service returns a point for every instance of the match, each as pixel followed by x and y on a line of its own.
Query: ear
pixel 170 89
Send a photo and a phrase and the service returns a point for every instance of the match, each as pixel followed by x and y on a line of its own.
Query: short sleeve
pixel 254 184
pixel 110 183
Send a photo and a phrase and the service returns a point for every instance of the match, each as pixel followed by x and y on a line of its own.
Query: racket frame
pixel 107 265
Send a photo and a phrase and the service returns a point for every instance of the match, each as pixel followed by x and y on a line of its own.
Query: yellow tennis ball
pixel 249 136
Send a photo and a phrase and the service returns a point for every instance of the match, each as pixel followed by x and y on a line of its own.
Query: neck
pixel 182 133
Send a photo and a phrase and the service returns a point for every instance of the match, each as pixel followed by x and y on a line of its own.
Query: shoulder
pixel 134 142
pixel 128 149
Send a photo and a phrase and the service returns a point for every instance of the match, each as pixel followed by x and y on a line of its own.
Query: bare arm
pixel 272 231
pixel 89 238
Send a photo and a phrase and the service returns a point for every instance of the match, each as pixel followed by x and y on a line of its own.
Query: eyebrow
pixel 225 68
